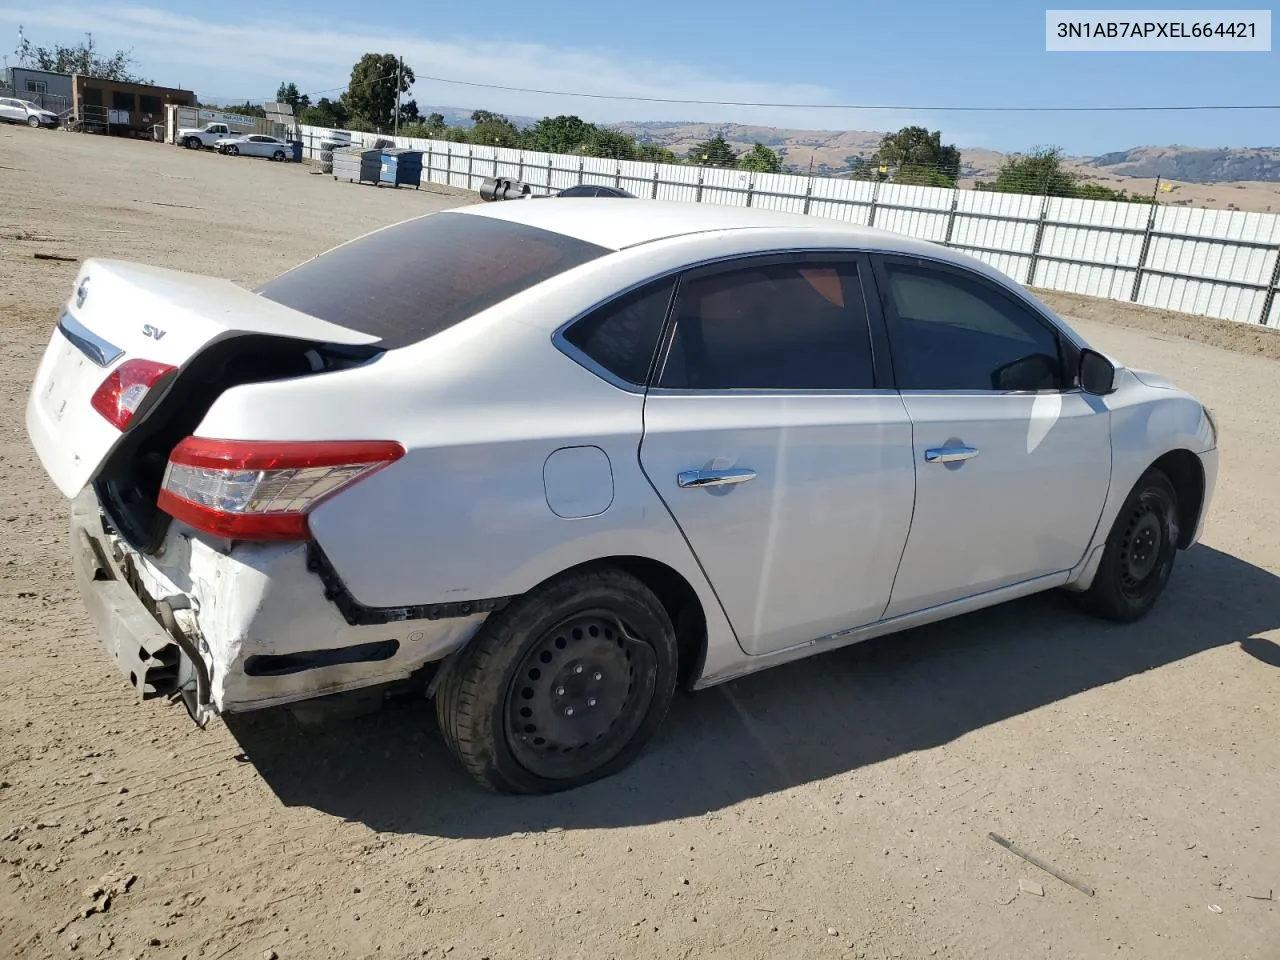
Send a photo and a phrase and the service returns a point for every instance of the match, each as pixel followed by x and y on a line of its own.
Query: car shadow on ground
pixel 790 725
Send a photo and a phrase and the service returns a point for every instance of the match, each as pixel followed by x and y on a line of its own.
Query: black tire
pixel 33 122
pixel 194 143
pixel 233 151
pixel 518 705
pixel 278 155
pixel 1140 551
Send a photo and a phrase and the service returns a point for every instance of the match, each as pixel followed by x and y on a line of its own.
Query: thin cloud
pixel 248 60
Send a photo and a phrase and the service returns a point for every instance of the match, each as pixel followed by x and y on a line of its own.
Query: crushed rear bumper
pixel 237 627
pixel 140 634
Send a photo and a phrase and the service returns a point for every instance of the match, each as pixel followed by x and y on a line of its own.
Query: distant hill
pixel 461 116
pixel 1234 178
pixel 829 151
pixel 1194 164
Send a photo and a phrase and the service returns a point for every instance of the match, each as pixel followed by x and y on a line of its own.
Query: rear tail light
pixel 263 490
pixel 120 395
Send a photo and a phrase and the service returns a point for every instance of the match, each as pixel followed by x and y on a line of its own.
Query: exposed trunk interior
pixel 129 482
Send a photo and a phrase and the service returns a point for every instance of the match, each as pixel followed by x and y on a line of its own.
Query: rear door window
pixel 415 279
pixel 796 325
pixel 622 335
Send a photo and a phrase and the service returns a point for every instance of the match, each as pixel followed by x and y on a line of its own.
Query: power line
pixel 946 108
pixel 850 106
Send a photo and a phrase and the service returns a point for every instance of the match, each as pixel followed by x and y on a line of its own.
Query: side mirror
pixel 1097 373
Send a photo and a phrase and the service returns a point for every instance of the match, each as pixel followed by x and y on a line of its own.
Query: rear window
pixel 415 279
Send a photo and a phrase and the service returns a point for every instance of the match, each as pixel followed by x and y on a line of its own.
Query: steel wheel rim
pixel 1144 546
pixel 579 695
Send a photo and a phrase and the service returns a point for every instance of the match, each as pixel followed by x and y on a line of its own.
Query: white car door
pixel 12 110
pixel 1012 460
pixel 779 447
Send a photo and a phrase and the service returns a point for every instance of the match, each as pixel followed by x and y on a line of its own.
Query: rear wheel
pixel 1138 558
pixel 563 687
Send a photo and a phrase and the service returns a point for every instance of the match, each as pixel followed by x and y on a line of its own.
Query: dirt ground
pixel 838 807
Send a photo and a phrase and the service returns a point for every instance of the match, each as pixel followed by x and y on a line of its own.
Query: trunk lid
pixel 120 312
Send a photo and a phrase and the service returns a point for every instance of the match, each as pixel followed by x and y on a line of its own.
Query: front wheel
pixel 233 151
pixel 278 155
pixel 33 122
pixel 1138 558
pixel 564 686
pixel 194 143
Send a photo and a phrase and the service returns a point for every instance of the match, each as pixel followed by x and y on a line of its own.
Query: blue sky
pixel 928 53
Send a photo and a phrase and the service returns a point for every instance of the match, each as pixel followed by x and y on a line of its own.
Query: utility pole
pixel 399 84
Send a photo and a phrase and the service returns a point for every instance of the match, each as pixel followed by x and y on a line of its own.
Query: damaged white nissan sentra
pixel 571 454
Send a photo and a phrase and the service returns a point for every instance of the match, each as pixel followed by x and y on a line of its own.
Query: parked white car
pixel 571 454
pixel 197 138
pixel 24 111
pixel 254 145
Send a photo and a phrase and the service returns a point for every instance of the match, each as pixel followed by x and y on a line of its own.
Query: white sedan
pixel 253 145
pixel 563 457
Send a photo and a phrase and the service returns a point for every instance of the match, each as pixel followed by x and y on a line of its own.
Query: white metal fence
pixel 1218 263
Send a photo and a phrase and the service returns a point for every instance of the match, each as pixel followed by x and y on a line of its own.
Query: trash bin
pixel 297 150
pixel 401 166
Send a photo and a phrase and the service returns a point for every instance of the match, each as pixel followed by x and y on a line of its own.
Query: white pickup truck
pixel 206 136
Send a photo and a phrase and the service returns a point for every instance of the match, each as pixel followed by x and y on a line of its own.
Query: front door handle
pixel 949 454
pixel 713 478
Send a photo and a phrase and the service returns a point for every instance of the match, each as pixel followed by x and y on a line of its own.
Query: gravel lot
pixel 834 808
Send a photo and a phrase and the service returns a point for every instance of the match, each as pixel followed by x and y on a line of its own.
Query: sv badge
pixel 155 333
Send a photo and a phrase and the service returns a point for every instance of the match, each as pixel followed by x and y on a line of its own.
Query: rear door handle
pixel 950 454
pixel 713 478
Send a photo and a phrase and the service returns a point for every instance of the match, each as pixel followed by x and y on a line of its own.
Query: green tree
pixel 245 109
pixel 923 177
pixel 1096 191
pixel 917 147
pixel 371 92
pixel 760 159
pixel 863 168
pixel 83 58
pixel 324 113
pixel 435 123
pixel 288 93
pixel 486 116
pixel 1038 172
pixel 610 143
pixel 494 131
pixel 715 152
pixel 654 153
pixel 562 134
pixel 409 113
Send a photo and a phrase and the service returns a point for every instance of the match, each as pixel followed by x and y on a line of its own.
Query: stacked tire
pixel 326 154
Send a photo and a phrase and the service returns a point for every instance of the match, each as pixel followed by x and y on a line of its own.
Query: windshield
pixel 412 280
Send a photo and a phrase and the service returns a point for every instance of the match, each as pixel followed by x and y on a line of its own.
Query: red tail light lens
pixel 120 395
pixel 263 490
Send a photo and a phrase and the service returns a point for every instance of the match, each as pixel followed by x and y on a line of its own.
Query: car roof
pixel 618 224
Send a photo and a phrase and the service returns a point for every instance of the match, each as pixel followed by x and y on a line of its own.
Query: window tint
pixel 622 335
pixel 955 332
pixel 412 280
pixel 783 326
